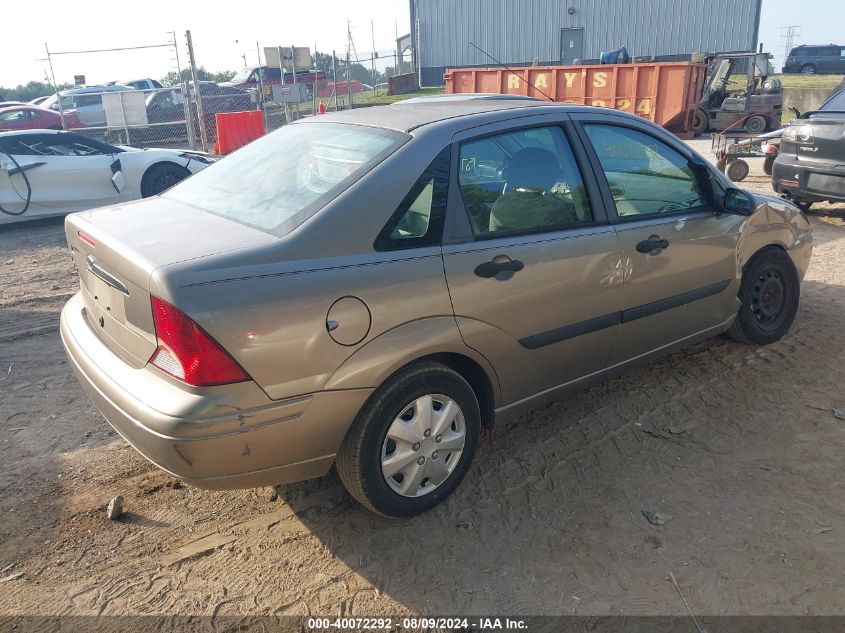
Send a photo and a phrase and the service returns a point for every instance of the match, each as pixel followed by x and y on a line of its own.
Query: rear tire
pixel 803 205
pixel 769 293
pixel 807 69
pixel 394 411
pixel 161 177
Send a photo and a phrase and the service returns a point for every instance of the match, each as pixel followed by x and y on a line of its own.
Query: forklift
pixel 754 109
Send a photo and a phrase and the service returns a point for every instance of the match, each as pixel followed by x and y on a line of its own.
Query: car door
pixel 66 171
pixel 679 252
pixel 18 119
pixel 533 267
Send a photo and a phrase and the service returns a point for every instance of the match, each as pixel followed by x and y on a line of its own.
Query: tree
pixel 171 79
pixel 357 71
pixel 30 90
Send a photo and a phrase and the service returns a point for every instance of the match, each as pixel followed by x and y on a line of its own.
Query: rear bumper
pixel 805 181
pixel 230 436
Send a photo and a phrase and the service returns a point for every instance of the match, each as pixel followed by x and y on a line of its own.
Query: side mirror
pixel 738 201
pixel 117 180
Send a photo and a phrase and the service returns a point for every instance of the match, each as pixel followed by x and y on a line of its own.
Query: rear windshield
pixel 836 103
pixel 278 181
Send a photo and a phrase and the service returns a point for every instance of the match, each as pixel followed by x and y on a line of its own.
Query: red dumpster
pixel 666 92
pixel 236 129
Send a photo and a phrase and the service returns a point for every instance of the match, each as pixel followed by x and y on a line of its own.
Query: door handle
pixel 22 168
pixel 652 244
pixel 491 269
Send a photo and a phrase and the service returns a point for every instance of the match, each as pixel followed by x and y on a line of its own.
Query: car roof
pixel 25 132
pixel 416 115
pixel 23 106
pixel 465 96
pixel 93 89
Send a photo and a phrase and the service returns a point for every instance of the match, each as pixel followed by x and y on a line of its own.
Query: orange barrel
pixel 236 129
pixel 664 92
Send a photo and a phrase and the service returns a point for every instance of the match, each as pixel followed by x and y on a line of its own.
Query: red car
pixel 27 117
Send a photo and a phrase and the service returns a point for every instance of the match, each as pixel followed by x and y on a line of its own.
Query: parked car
pixel 812 59
pixel 86 102
pixel 810 166
pixel 27 117
pixel 8 104
pixel 39 100
pixel 49 173
pixel 371 287
pixel 168 106
pixel 266 76
pixel 139 84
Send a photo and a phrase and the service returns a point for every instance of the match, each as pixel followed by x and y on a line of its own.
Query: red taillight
pixel 186 352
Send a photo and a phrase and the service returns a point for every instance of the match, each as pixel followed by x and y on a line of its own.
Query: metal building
pixel 516 32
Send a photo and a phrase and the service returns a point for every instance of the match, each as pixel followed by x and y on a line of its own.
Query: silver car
pixel 372 288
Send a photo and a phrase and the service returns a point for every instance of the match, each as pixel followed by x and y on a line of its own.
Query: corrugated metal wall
pixel 517 31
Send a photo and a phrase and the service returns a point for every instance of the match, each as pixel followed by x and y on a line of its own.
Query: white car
pixel 47 173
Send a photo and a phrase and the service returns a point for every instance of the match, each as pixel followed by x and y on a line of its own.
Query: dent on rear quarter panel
pixel 274 325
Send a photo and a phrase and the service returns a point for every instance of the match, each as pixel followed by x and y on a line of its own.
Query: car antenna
pixel 511 70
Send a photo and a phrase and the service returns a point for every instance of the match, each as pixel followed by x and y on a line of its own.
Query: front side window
pixel 645 175
pixel 418 221
pixel 276 182
pixel 525 181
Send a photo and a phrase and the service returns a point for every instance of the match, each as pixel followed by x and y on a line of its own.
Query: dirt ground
pixel 730 444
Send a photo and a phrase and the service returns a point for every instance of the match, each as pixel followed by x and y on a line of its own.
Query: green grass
pixel 807 82
pixel 382 98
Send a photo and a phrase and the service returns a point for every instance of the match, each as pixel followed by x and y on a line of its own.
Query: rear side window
pixel 525 181
pixel 418 221
pixel 276 182
pixel 645 176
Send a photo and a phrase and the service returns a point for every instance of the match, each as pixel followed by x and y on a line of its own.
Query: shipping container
pixel 666 93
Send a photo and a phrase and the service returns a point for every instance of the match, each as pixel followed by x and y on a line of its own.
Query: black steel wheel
pixel 769 295
pixel 161 177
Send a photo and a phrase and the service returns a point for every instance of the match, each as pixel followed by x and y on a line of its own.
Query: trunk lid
pixel 116 250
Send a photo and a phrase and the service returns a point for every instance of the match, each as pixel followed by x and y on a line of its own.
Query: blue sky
pixel 222 36
pixel 821 21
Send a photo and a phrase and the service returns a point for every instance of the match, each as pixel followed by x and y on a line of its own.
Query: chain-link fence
pixel 184 115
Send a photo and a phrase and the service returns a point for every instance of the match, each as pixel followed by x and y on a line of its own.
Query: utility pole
pixel 55 87
pixel 396 70
pixel 186 98
pixel 375 54
pixel 200 117
pixel 789 34
pixel 348 73
pixel 334 77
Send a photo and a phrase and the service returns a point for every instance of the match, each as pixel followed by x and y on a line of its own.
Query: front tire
pixel 412 442
pixel 161 177
pixel 701 123
pixel 769 293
